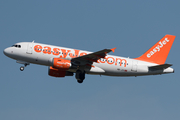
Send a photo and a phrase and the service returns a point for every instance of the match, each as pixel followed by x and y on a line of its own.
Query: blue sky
pixel 131 26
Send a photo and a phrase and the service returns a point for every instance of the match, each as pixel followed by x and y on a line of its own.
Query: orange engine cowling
pixel 56 72
pixel 59 73
pixel 61 64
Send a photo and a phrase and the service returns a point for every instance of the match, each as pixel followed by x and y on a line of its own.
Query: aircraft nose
pixel 7 51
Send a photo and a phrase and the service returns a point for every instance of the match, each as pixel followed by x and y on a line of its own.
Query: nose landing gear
pixel 22 62
pixel 21 68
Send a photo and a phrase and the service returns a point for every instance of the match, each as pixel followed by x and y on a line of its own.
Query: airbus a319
pixel 66 61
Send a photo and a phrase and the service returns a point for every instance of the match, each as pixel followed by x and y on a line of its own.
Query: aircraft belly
pixel 114 70
pixel 37 59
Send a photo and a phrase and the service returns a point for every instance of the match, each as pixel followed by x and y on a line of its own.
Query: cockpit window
pixel 18 46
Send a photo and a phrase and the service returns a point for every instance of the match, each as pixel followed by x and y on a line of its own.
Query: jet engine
pixel 59 73
pixel 59 68
pixel 61 64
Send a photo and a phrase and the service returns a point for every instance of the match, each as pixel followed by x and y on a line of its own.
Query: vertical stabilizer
pixel 159 52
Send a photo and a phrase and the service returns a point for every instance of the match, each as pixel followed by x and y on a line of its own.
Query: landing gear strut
pixel 80 76
pixel 22 67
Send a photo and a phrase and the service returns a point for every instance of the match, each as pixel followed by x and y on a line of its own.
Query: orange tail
pixel 159 52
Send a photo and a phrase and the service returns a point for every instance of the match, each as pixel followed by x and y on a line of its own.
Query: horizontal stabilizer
pixel 160 67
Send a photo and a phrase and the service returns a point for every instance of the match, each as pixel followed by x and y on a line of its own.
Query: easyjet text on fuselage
pixel 64 53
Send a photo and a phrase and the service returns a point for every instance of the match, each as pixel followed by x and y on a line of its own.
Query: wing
pixel 92 57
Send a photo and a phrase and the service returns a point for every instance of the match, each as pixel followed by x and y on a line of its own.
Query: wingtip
pixel 113 49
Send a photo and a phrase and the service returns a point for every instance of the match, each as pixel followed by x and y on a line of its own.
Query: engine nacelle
pixel 61 64
pixel 59 73
pixel 56 72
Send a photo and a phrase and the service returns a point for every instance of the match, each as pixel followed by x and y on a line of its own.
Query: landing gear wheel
pixel 80 81
pixel 21 68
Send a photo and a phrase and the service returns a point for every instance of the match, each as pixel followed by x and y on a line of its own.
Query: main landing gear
pixel 80 76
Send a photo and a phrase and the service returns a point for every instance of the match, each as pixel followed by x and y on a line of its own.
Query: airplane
pixel 64 61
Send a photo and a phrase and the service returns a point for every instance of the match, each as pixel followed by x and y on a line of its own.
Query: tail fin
pixel 159 52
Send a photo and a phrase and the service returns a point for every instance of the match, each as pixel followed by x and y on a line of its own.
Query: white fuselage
pixel 43 54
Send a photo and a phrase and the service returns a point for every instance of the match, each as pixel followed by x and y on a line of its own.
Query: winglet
pixel 113 49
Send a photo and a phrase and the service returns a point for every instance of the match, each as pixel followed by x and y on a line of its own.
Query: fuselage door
pixel 134 66
pixel 29 48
